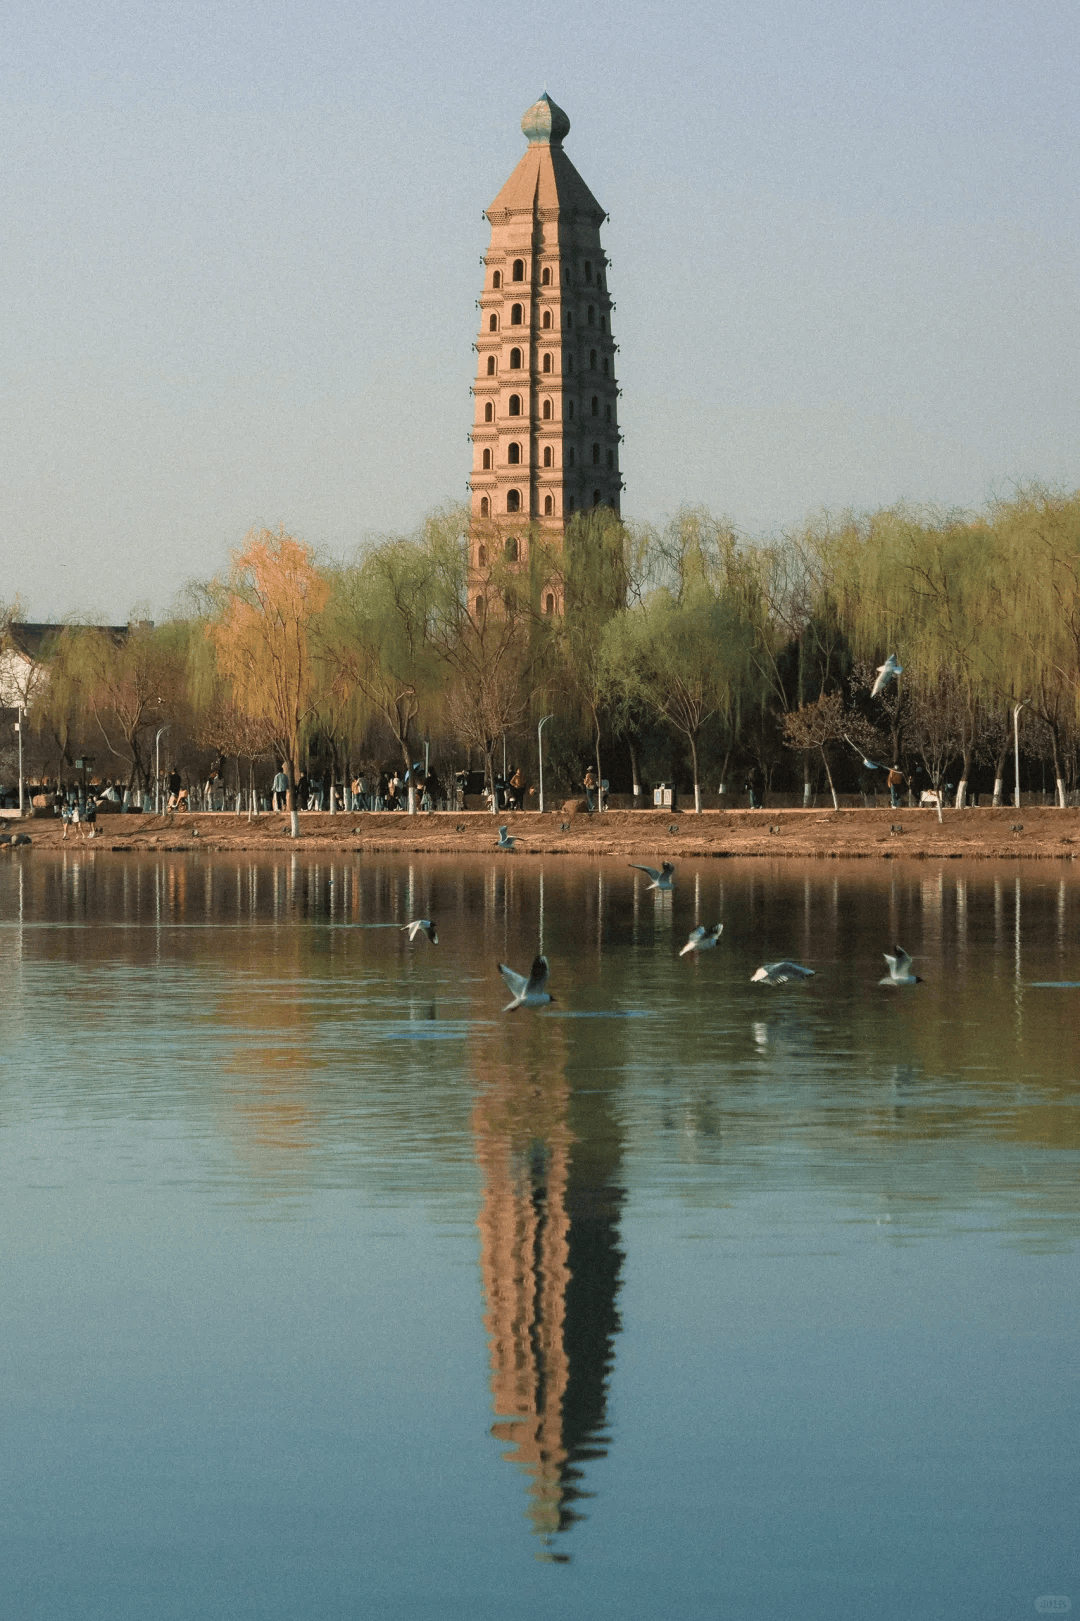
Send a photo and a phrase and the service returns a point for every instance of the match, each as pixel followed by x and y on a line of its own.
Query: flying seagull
pixel 505 841
pixel 900 970
pixel 778 973
pixel 871 765
pixel 421 925
pixel 886 672
pixel 664 879
pixel 702 939
pixel 527 992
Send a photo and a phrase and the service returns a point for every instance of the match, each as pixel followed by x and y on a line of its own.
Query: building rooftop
pixel 545 178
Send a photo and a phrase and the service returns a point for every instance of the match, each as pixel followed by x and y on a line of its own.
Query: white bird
pixel 421 925
pixel 900 969
pixel 886 672
pixel 702 939
pixel 505 841
pixel 527 992
pixel 664 879
pixel 778 973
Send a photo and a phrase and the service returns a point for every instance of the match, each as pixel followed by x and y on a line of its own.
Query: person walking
pixel 590 788
pixel 280 788
pixel 895 780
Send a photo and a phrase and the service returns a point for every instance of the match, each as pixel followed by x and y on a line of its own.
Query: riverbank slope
pixel 1033 832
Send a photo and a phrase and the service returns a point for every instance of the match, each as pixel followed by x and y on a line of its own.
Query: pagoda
pixel 545 431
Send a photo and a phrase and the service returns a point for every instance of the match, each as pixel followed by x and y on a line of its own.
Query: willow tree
pixel 684 650
pixel 488 587
pixel 375 640
pixel 596 582
pixel 1038 578
pixel 116 684
pixel 926 587
pixel 263 619
pixel 781 591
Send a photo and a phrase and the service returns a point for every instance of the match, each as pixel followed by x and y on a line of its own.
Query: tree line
pixel 681 653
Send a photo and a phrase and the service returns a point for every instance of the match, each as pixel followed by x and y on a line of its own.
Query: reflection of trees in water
pixel 551 1264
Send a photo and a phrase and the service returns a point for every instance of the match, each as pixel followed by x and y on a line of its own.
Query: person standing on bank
pixel 896 782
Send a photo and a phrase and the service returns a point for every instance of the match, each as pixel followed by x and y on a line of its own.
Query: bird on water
pixel 900 969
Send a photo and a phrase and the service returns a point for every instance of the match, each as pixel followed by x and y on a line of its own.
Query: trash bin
pixel 664 796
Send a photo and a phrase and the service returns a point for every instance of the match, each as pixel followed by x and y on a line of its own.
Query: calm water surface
pixel 331 1291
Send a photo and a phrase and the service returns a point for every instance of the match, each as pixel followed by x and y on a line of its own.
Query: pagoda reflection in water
pixel 551 1264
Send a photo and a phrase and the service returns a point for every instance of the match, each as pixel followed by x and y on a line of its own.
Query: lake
pixel 332 1290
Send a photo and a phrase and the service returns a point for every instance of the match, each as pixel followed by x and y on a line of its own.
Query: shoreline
pixel 1034 832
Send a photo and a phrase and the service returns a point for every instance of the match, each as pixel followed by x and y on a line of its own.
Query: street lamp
pixel 157 769
pixel 540 746
pixel 1016 747
pixel 18 728
pixel 84 765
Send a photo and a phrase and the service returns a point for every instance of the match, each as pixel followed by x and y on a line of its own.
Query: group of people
pixel 365 791
pixel 507 793
pixel 80 814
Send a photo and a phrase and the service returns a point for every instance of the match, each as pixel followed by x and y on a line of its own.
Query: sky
pixel 241 244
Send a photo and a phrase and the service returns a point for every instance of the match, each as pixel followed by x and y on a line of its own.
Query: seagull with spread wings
pixel 886 672
pixel 664 879
pixel 702 939
pixel 531 992
pixel 900 969
pixel 780 973
pixel 421 925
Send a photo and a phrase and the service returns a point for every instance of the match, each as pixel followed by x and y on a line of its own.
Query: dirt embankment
pixel 1038 832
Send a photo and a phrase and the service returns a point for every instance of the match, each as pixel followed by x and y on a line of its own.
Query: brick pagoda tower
pixel 545 431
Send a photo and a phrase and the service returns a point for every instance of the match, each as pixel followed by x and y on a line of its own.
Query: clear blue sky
pixel 241 243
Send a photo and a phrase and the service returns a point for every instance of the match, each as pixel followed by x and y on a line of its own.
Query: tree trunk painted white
pixel 999 787
pixel 832 788
pixel 1061 799
pixel 635 772
pixel 961 794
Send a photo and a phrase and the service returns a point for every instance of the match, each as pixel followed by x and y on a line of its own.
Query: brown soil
pixel 1032 832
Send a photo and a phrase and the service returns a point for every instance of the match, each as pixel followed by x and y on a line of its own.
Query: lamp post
pixel 540 747
pixel 1016 748
pixel 157 770
pixel 84 765
pixel 22 791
